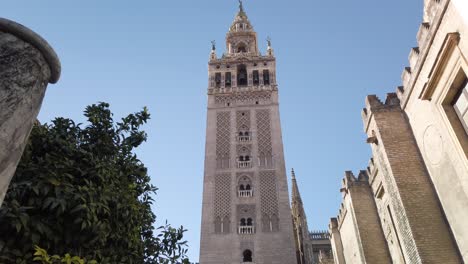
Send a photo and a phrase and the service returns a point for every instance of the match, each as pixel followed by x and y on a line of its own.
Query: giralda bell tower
pixel 246 216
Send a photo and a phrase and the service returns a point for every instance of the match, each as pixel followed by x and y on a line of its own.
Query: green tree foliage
pixel 81 190
pixel 43 257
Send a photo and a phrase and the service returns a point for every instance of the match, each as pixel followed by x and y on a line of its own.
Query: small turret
pixel 269 48
pixel 213 50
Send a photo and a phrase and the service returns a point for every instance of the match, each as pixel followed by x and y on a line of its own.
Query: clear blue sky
pixel 330 55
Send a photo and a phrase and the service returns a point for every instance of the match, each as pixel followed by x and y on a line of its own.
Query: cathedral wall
pixel 359 229
pixel 352 249
pixel 419 140
pixel 435 77
pixel 413 199
pixel 385 213
pixel 335 241
pixel 373 243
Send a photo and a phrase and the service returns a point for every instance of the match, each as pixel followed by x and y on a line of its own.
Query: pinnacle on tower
pixel 241 8
pixel 241 21
pixel 295 194
pixel 213 50
pixel 270 49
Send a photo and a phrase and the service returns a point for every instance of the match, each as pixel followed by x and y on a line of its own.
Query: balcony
pixel 244 138
pixel 245 193
pixel 246 230
pixel 244 164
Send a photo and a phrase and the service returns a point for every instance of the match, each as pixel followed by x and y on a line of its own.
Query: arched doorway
pixel 247 256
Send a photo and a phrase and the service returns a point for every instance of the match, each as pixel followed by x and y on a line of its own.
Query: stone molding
pixel 38 42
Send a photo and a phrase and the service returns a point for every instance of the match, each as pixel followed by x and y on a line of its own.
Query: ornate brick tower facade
pixel 246 216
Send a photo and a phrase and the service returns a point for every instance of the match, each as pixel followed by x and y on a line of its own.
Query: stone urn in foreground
pixel 27 65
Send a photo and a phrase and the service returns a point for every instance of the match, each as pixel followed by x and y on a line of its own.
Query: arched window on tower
pixel 255 77
pixel 244 162
pixel 266 77
pixel 270 223
pixel 241 48
pixel 247 256
pixel 218 224
pixel 244 134
pixel 218 79
pixel 243 222
pixel 245 187
pixel 227 79
pixel 246 226
pixel 241 75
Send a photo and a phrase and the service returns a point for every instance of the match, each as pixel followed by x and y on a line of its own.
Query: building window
pixel 241 75
pixel 247 256
pixel 256 78
pixel 241 48
pixel 455 105
pixel 270 223
pixel 218 79
pixel 228 79
pixel 244 162
pixel 245 187
pixel 244 136
pixel 460 105
pixel 246 226
pixel 266 77
pixel 221 225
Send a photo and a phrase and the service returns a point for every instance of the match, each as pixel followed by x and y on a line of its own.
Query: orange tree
pixel 81 190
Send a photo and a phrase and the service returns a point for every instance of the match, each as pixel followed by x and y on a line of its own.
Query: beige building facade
pixel 417 179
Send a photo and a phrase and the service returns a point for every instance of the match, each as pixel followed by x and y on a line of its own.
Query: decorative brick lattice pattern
pixel 222 200
pixel 243 120
pixel 246 98
pixel 264 132
pixel 268 193
pixel 223 136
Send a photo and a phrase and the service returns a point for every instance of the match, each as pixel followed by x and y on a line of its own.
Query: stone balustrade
pixel 245 193
pixel 246 230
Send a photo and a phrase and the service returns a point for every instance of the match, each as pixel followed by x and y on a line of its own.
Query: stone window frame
pixel 445 80
pixel 462 113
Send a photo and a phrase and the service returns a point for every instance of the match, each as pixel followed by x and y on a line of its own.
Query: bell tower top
pixel 241 67
pixel 241 37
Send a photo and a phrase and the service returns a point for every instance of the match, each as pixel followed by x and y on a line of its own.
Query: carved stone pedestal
pixel 27 65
